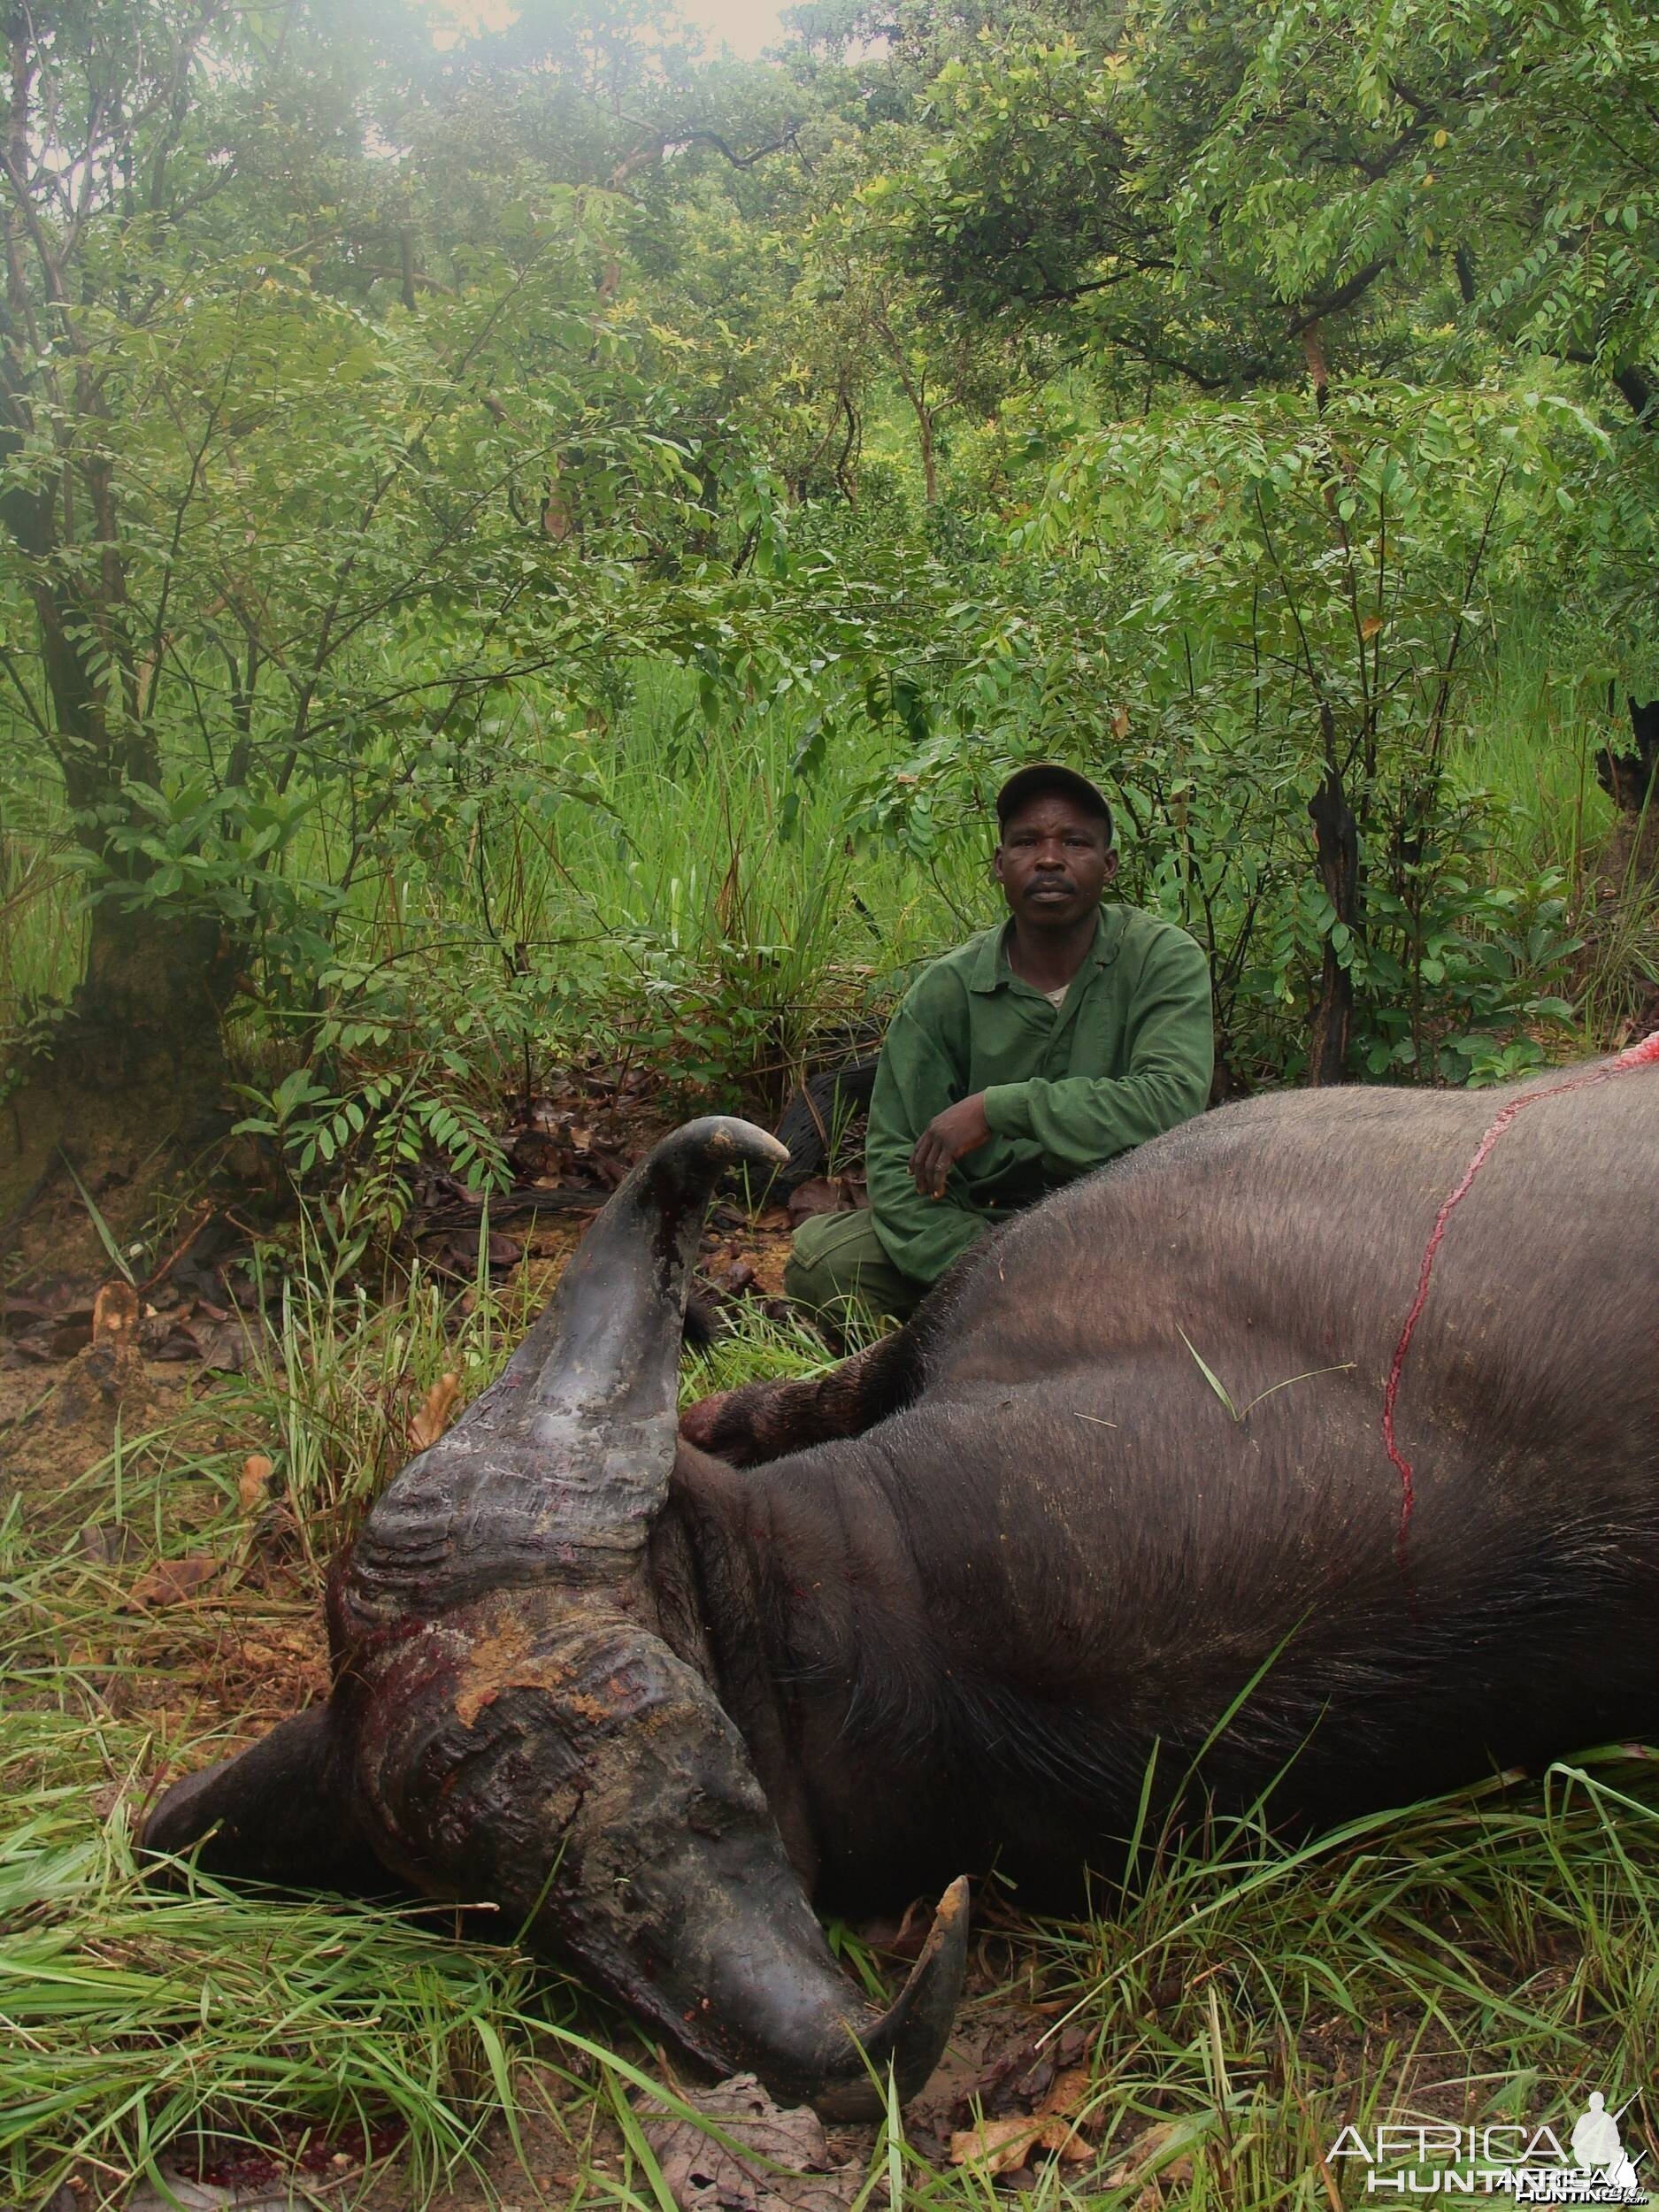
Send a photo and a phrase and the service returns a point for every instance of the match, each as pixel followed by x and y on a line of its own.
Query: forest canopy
pixel 552 535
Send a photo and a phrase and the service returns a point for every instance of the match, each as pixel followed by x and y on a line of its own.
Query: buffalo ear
pixel 277 1813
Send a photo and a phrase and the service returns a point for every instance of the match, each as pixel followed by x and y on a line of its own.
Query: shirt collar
pixel 991 972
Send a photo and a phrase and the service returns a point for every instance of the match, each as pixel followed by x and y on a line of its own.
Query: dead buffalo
pixel 1126 1466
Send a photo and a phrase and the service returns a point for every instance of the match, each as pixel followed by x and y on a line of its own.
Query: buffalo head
pixel 510 1723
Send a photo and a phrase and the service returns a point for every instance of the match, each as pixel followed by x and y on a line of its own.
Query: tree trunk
pixel 915 390
pixel 930 459
pixel 1629 862
pixel 133 1076
pixel 134 1066
pixel 135 1069
pixel 1336 848
pixel 1628 779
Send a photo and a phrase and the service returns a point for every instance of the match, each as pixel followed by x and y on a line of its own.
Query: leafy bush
pixel 1250 621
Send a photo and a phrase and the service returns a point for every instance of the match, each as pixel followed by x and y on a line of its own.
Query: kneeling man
pixel 1038 1050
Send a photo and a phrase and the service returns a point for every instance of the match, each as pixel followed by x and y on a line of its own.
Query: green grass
pixel 675 893
pixel 1536 711
pixel 41 932
pixel 141 2021
pixel 681 898
pixel 1489 1954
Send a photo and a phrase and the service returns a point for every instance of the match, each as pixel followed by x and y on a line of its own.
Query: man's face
pixel 1053 862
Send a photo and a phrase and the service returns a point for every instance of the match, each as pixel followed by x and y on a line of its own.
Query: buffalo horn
pixel 559 1468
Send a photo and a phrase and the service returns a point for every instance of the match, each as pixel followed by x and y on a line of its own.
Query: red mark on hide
pixel 1641 1055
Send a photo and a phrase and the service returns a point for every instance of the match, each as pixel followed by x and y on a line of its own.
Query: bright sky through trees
pixel 745 25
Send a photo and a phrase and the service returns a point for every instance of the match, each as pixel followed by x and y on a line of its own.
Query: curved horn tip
pixel 683 1167
pixel 912 2034
pixel 723 1137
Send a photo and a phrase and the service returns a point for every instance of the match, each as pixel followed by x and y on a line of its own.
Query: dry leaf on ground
pixel 224 1343
pixel 115 1313
pixel 254 1485
pixel 1138 2154
pixel 820 1195
pixel 185 2195
pixel 703 2175
pixel 1003 2145
pixel 437 1410
pixel 170 1579
pixel 280 2194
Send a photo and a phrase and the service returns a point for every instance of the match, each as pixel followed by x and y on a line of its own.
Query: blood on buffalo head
pixel 508 1725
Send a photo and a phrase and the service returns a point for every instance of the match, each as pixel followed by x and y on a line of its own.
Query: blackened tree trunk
pixel 1628 779
pixel 135 1065
pixel 1631 859
pixel 137 1061
pixel 136 1069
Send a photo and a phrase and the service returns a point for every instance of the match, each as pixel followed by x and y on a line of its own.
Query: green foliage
pixel 387 1121
pixel 1554 252
pixel 1054 380
pixel 1297 642
pixel 289 549
pixel 1293 593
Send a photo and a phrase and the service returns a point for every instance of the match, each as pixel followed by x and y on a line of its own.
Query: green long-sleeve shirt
pixel 1128 1055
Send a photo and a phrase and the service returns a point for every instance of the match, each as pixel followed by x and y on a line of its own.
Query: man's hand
pixel 960 1129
